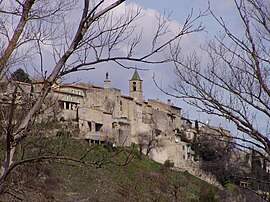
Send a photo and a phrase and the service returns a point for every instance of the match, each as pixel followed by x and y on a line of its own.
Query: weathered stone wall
pixel 163 122
pixel 88 120
pixel 147 116
pixel 107 100
pixel 194 169
pixel 171 150
pixel 138 128
pixel 125 106
pixel 121 134
pixel 158 105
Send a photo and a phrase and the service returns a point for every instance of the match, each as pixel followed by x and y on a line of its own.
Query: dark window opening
pixel 98 126
pixel 121 106
pixel 134 86
pixel 158 132
pixel 90 125
pixel 77 115
pixel 61 105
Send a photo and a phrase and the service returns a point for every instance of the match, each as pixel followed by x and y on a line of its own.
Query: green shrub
pixel 208 195
pixel 62 133
pixel 167 165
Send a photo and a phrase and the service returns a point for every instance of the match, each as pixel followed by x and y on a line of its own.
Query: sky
pixel 164 73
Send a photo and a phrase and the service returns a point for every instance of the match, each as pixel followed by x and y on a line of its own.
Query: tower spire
pixel 135 87
pixel 135 76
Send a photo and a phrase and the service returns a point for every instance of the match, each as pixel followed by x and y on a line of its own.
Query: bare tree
pixel 149 140
pixel 77 35
pixel 234 84
pixel 214 149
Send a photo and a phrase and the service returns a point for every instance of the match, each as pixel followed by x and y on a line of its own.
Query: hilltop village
pixel 102 115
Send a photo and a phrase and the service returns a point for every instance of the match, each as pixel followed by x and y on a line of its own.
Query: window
pixel 183 147
pixel 134 86
pixel 184 157
pixel 121 106
pixel 61 104
pixel 98 127
pixel 69 98
pixel 90 125
pixel 73 91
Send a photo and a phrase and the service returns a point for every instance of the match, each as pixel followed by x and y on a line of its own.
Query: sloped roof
pixel 135 76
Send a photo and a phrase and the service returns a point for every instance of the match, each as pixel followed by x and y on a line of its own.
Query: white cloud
pixel 119 77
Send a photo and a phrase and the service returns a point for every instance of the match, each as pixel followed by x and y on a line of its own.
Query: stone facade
pixel 104 115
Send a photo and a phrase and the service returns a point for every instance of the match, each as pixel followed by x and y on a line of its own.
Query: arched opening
pixel 134 86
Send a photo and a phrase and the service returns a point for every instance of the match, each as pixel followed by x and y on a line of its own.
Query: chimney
pixel 169 102
pixel 107 84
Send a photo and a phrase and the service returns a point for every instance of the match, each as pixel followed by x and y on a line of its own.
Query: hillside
pixel 65 180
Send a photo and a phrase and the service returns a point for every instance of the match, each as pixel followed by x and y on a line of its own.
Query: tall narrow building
pixel 135 87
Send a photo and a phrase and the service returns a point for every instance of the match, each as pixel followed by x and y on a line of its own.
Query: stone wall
pixel 194 169
pixel 169 149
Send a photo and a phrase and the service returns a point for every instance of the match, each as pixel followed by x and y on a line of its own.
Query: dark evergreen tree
pixel 214 156
pixel 21 75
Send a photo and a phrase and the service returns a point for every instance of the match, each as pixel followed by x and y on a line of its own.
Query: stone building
pixel 104 115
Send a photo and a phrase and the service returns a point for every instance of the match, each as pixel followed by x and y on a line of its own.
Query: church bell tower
pixel 135 87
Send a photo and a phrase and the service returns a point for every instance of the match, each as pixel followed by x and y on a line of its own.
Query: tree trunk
pixel 10 150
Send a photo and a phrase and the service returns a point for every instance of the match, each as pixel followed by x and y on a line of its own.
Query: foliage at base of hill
pixel 140 180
